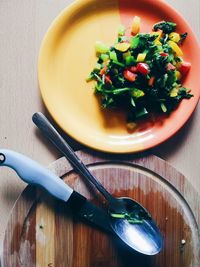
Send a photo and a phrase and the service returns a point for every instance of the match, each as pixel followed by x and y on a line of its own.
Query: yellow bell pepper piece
pixel 157 42
pixel 158 33
pixel 175 37
pixel 174 92
pixel 175 48
pixel 135 25
pixel 141 57
pixel 178 75
pixel 122 47
pixel 137 93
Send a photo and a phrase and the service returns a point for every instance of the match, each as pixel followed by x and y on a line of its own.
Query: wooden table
pixel 22 28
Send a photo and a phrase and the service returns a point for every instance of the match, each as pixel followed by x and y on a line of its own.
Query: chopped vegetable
pixel 158 34
pixel 134 42
pixel 101 47
pixel 175 48
pixel 130 76
pixel 175 37
pixel 103 70
pixel 113 55
pixel 135 25
pixel 142 73
pixel 129 60
pixel 132 217
pixel 122 47
pixel 133 69
pixel 141 112
pixel 174 92
pixel 170 66
pixel 143 68
pixel 163 54
pixel 136 93
pixel 163 107
pixel 151 81
pixel 178 75
pixel 157 42
pixel 183 37
pixel 107 79
pixel 97 66
pixel 104 57
pixel 166 27
pixel 184 68
pixel 141 57
pixel 118 215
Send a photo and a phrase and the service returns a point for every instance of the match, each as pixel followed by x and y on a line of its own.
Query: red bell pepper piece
pixel 143 68
pixel 103 71
pixel 170 67
pixel 163 54
pixel 133 69
pixel 108 79
pixel 184 68
pixel 130 76
pixel 151 81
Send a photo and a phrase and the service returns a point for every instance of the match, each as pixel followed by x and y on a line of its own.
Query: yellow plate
pixel 66 58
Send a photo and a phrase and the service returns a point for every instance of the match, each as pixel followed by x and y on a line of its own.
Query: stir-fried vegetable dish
pixel 142 73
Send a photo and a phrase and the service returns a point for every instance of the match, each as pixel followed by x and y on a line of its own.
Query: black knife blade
pixel 88 212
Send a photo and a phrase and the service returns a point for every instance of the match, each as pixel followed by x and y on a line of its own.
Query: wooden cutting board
pixel 41 231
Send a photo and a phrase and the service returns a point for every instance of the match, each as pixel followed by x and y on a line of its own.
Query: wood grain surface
pixel 23 26
pixel 42 231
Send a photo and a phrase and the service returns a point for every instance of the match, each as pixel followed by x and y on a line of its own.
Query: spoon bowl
pixel 141 232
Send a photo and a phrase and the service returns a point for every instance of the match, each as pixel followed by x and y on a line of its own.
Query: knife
pixel 33 173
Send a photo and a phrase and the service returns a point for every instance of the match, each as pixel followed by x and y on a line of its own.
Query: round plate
pixel 67 56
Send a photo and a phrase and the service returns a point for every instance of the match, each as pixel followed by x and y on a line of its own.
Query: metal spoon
pixel 139 231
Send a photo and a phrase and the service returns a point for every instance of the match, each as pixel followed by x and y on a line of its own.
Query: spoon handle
pixel 51 133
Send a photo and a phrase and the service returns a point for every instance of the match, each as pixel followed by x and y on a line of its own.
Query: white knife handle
pixel 32 172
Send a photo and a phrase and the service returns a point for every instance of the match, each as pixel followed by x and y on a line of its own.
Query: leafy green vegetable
pixel 166 27
pixel 118 63
pixel 163 107
pixel 129 60
pixel 118 215
pixel 136 93
pixel 134 41
pixel 130 217
pixel 136 216
pixel 183 36
pixel 141 112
